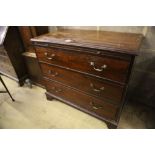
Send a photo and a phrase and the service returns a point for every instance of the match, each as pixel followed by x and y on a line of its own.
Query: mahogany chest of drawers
pixel 88 70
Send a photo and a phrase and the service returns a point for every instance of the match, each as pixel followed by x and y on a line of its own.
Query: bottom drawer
pixel 78 99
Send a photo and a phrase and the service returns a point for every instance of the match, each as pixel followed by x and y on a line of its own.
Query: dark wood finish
pixel 11 60
pixel 115 69
pixel 99 107
pixel 127 43
pixel 100 88
pixel 26 35
pixel 28 32
pixel 88 70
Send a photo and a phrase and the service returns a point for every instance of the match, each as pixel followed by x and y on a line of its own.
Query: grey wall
pixel 142 84
pixel 132 29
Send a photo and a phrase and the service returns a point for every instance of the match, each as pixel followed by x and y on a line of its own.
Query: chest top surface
pixel 104 40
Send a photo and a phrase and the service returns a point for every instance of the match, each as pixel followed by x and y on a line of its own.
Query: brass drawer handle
pixel 98 69
pixel 95 89
pixel 95 107
pixel 54 74
pixel 56 90
pixel 49 57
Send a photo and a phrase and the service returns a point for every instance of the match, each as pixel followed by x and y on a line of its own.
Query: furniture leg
pixel 6 89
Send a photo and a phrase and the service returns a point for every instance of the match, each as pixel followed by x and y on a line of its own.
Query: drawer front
pixel 6 66
pixel 102 66
pixel 93 105
pixel 92 86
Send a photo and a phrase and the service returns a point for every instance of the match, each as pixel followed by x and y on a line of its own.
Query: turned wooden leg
pixel 7 91
pixel 111 126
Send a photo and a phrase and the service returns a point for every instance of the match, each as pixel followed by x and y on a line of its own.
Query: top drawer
pixel 103 66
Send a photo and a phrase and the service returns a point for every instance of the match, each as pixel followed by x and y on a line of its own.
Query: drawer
pixel 103 66
pixel 93 86
pixel 78 99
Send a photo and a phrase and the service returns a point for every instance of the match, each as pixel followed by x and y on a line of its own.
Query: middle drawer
pixel 93 86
